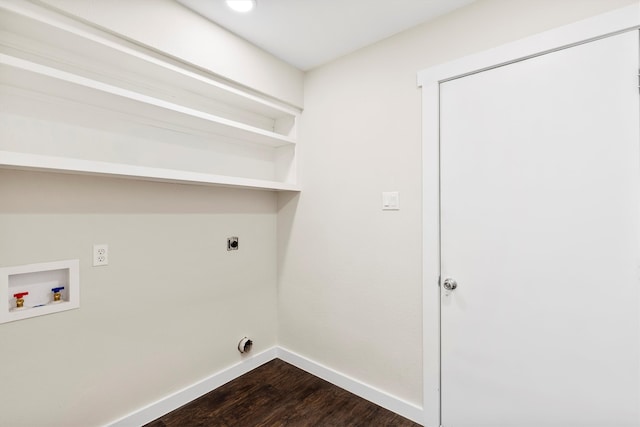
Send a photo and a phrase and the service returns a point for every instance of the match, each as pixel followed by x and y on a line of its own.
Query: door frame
pixel 604 25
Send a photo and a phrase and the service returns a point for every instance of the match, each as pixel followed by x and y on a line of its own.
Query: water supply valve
pixel 20 299
pixel 56 293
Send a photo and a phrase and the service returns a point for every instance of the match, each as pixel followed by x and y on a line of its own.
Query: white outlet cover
pixel 100 255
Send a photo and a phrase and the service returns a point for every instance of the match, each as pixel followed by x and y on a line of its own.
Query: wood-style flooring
pixel 279 394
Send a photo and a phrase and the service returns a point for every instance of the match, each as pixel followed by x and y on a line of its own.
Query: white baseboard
pixel 372 394
pixel 181 397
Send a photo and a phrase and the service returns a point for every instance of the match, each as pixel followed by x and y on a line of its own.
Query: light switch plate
pixel 390 201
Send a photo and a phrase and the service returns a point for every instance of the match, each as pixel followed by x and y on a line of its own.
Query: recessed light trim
pixel 242 6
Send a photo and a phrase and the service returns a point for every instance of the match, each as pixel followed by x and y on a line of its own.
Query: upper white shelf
pixel 26 75
pixel 72 65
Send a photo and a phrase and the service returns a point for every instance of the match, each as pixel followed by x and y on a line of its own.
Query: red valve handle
pixel 20 294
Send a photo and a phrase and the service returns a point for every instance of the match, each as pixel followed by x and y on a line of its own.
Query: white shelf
pixel 53 66
pixel 27 161
pixel 39 78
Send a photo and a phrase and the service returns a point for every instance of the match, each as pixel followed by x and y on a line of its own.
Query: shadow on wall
pixel 51 193
pixel 287 206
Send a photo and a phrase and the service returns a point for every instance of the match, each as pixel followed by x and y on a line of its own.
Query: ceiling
pixel 308 33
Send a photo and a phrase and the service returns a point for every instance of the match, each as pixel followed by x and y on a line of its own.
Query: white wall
pixel 349 273
pixel 170 27
pixel 167 311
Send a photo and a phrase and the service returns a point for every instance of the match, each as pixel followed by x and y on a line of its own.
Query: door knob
pixel 450 284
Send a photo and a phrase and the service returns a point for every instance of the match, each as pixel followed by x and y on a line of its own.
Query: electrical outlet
pixel 100 255
pixel 232 243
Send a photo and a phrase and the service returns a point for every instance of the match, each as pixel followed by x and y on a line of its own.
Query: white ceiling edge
pixel 309 33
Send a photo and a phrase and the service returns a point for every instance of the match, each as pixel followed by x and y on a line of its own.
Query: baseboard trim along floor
pixel 365 391
pixel 181 397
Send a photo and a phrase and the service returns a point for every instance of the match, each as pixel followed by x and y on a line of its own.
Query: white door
pixel 540 229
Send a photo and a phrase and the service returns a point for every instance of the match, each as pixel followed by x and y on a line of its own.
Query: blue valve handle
pixel 56 290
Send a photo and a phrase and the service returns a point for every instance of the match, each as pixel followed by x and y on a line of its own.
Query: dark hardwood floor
pixel 279 394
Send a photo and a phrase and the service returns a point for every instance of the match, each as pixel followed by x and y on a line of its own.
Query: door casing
pixel 621 20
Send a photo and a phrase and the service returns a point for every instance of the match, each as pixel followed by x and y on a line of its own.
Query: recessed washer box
pixel 40 281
